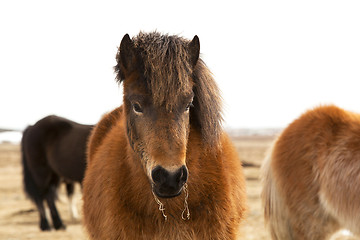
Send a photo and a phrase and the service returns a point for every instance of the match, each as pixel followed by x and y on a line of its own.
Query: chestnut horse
pixel 53 150
pixel 311 178
pixel 160 166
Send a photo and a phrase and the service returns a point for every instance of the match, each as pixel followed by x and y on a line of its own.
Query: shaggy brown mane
pixel 166 65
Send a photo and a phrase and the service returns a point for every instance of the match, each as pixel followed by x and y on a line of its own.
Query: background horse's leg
pixel 35 185
pixel 44 224
pixel 72 205
pixel 50 199
pixel 316 226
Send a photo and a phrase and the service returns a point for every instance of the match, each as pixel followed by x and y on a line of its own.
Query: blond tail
pixel 275 211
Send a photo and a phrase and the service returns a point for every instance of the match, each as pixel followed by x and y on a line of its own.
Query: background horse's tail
pixel 30 187
pixel 276 215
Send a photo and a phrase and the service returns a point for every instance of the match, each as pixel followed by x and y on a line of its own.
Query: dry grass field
pixel 19 218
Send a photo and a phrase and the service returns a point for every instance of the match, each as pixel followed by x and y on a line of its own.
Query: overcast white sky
pixel 271 59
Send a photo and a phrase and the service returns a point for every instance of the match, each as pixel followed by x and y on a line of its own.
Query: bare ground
pixel 19 217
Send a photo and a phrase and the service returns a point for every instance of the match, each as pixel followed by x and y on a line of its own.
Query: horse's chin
pixel 166 195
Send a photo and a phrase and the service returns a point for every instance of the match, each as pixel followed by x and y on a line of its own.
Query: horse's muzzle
pixel 168 184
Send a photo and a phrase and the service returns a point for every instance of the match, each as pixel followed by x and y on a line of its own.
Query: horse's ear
pixel 194 50
pixel 125 58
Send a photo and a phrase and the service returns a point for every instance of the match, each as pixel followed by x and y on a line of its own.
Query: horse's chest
pixel 177 230
pixel 174 232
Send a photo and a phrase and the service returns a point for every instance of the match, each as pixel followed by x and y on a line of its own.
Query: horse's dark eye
pixel 137 108
pixel 188 106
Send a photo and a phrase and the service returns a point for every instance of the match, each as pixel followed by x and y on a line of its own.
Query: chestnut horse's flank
pixel 312 176
pixel 160 166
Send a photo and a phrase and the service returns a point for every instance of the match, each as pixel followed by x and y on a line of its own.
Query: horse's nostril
pixel 183 175
pixel 159 175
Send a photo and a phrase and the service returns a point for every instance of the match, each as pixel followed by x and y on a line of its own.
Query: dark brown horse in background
pixel 53 150
pixel 163 149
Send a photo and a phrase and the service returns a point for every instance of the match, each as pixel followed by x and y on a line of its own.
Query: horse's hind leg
pixel 296 213
pixel 36 187
pixel 55 216
pixel 44 224
pixel 72 206
pixel 315 226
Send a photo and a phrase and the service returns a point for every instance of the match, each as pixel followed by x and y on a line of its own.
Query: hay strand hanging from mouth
pixel 186 206
pixel 161 206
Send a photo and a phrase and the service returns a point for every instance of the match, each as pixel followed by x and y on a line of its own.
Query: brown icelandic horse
pixel 53 151
pixel 311 178
pixel 160 166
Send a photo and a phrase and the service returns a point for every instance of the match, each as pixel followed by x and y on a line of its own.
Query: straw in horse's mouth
pixel 186 207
